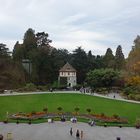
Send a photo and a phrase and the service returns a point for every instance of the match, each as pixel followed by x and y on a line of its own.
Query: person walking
pixel 77 134
pixel 71 131
pixel 81 134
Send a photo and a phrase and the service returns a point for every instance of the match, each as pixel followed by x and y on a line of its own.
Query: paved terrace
pixel 60 131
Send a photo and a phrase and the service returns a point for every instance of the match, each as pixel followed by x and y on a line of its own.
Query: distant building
pixel 67 76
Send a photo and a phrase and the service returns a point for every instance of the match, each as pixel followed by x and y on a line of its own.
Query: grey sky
pixel 93 24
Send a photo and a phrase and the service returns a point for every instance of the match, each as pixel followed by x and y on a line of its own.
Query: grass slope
pixel 28 103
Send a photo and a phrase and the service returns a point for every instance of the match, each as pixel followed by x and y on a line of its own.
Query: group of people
pixel 73 119
pixel 85 90
pixel 79 134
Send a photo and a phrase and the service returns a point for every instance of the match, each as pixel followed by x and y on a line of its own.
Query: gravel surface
pixel 60 131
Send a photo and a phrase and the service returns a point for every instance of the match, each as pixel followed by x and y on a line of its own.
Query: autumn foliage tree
pixel 133 70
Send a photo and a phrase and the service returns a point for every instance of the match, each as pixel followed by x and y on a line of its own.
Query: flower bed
pixel 35 115
pixel 96 117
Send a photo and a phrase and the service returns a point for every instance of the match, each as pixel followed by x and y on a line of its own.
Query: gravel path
pixel 60 131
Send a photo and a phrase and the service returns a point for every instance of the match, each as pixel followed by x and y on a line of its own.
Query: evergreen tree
pixel 42 39
pixel 4 52
pixel 80 62
pixel 29 42
pixel 119 58
pixel 18 52
pixel 99 62
pixel 91 61
pixel 109 60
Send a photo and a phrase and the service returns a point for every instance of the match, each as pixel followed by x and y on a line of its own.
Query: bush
pixel 137 97
pixel 28 87
pixel 55 85
pixel 116 116
pixel 102 115
pixel 42 88
pixel 131 97
pixel 33 112
pixel 128 90
pixel 102 90
pixel 137 124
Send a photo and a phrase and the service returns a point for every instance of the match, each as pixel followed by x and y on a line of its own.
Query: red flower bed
pixel 96 117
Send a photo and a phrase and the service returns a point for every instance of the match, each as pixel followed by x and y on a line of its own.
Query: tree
pixel 59 57
pixel 136 68
pixel 119 59
pixel 109 60
pixel 76 109
pixel 103 78
pixel 88 110
pixel 4 52
pixel 18 52
pixel 80 62
pixel 132 76
pixel 91 61
pixel 45 109
pixel 42 39
pixel 11 74
pixel 59 109
pixel 29 42
pixel 99 62
pixel 134 55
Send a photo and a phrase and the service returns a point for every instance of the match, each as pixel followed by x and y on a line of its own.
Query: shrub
pixel 45 109
pixel 88 110
pixel 116 116
pixel 131 97
pixel 42 88
pixel 137 97
pixel 102 115
pixel 33 112
pixel 30 87
pixel 76 110
pixel 137 124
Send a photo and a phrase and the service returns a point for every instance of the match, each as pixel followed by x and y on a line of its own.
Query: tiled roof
pixel 67 67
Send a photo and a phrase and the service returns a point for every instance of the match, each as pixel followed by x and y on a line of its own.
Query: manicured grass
pixel 29 103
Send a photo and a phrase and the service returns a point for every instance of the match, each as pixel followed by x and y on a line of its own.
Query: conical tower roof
pixel 67 68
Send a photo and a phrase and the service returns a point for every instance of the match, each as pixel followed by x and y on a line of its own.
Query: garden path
pixel 60 131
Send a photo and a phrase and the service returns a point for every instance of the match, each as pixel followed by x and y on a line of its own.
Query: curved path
pixel 60 131
pixel 109 96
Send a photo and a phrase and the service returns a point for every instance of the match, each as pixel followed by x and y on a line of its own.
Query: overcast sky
pixel 93 24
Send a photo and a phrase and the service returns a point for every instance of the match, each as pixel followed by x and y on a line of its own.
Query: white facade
pixel 69 73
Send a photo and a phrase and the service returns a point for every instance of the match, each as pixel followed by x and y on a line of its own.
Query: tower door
pixel 69 84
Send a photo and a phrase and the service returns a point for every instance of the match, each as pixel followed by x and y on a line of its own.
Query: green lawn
pixel 28 103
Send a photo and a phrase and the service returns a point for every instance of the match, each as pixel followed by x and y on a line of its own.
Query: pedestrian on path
pixel 77 134
pixel 71 131
pixel 81 134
